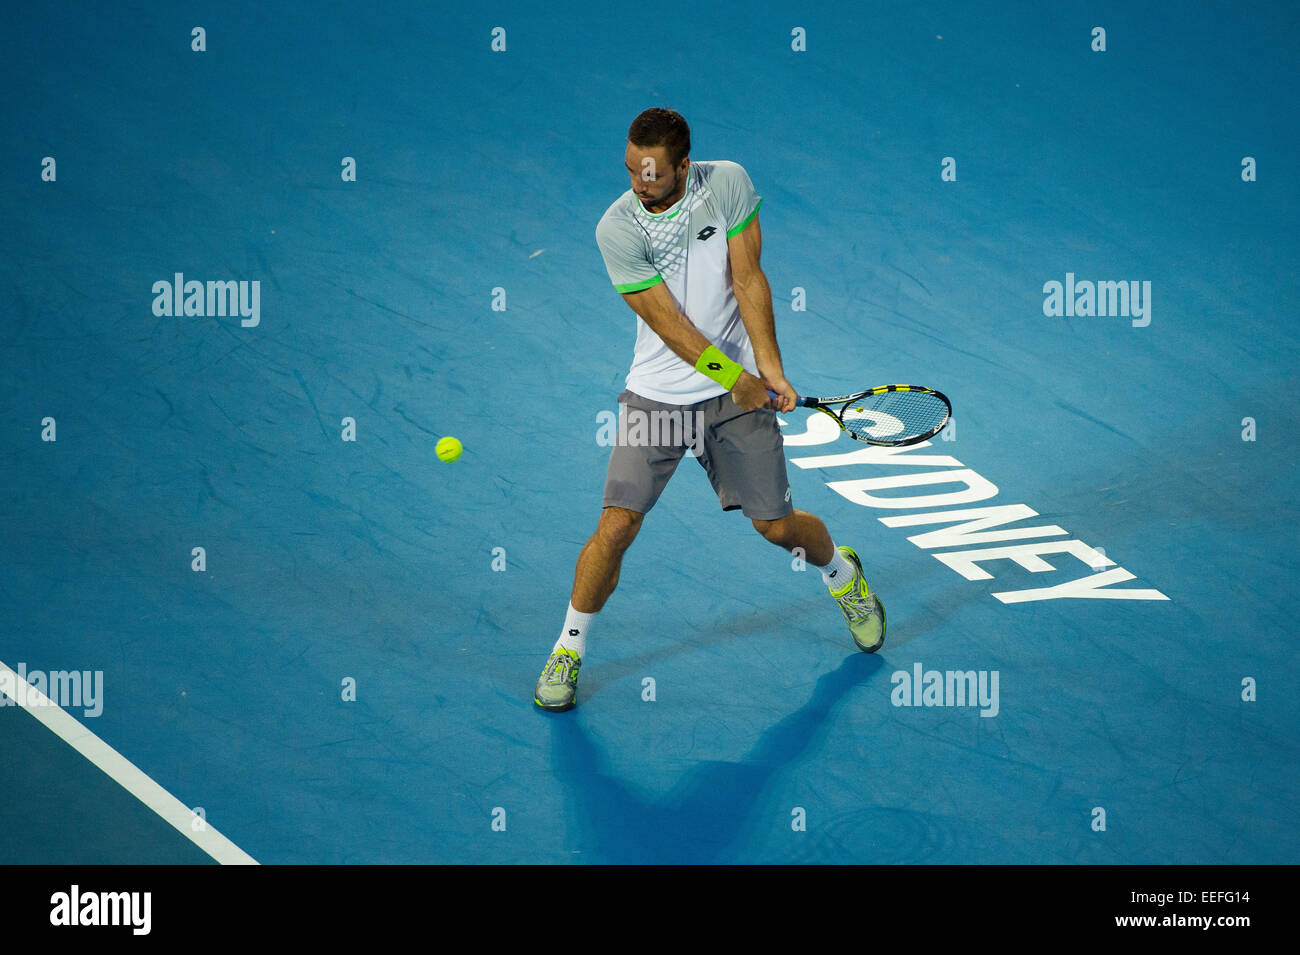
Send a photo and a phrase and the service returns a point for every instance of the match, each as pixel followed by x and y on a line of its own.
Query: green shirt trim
pixel 666 214
pixel 749 218
pixel 638 286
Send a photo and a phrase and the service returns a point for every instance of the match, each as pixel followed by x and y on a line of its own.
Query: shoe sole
pixel 554 709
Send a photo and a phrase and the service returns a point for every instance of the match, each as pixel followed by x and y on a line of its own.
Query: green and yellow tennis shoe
pixel 862 609
pixel 558 684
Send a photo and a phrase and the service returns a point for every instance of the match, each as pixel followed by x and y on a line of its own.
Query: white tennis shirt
pixel 684 247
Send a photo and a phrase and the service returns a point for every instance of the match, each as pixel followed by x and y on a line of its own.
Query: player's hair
pixel 662 127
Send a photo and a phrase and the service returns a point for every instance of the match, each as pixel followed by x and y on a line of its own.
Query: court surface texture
pixel 315 642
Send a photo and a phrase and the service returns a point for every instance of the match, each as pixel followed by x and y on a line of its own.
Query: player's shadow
pixel 705 818
pixel 733 626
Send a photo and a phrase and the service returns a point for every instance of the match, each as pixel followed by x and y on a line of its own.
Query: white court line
pixel 126 774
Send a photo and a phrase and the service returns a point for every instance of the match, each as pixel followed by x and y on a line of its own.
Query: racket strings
pixel 895 415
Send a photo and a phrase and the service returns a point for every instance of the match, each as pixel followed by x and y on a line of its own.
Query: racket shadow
pixel 709 815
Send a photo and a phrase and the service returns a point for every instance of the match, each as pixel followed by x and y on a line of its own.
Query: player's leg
pixel 841 572
pixel 594 579
pixel 745 458
pixel 801 530
pixel 639 468
pixel 596 575
pixel 804 532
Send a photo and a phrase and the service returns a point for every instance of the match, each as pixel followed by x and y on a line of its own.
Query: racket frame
pixel 822 405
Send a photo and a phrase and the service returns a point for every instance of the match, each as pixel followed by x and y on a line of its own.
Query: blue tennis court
pixel 323 641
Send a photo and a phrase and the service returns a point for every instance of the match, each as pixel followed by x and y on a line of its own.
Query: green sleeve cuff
pixel 735 230
pixel 638 286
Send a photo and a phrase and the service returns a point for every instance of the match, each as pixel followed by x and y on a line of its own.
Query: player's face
pixel 654 180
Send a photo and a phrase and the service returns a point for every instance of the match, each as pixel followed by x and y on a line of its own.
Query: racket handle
pixel 797 400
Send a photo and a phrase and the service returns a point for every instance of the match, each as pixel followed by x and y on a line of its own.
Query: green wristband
pixel 719 367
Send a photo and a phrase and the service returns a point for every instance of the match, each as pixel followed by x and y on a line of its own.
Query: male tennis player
pixel 682 246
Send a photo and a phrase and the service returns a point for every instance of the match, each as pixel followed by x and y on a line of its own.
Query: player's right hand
pixel 749 393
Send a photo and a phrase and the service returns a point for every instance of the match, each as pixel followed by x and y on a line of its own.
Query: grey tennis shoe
pixel 557 687
pixel 862 609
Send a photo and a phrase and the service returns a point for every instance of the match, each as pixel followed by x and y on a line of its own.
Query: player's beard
pixel 667 196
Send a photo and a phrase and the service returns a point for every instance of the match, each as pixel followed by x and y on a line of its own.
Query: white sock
pixel 838 572
pixel 574 635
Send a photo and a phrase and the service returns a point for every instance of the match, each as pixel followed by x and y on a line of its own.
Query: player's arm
pixel 657 309
pixel 754 296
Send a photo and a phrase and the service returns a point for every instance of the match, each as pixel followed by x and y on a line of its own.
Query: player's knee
pixel 774 531
pixel 619 526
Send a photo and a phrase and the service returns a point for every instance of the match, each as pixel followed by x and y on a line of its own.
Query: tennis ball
pixel 448 449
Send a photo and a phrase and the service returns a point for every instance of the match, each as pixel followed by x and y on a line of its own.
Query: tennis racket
pixel 891 415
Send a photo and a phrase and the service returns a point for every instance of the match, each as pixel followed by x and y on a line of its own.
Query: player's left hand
pixel 786 396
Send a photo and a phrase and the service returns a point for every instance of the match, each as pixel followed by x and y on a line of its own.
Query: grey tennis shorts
pixel 741 451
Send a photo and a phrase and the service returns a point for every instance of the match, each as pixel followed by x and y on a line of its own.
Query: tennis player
pixel 682 247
